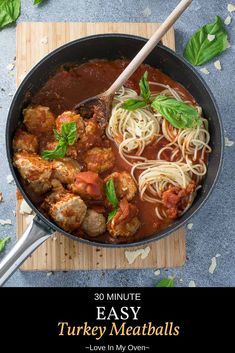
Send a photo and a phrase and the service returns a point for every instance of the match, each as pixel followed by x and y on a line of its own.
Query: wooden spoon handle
pixel 148 47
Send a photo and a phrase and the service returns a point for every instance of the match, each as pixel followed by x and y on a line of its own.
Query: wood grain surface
pixel 34 41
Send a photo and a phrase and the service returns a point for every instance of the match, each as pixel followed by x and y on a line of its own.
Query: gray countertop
pixel 213 229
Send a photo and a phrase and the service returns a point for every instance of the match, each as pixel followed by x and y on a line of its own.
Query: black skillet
pixel 108 46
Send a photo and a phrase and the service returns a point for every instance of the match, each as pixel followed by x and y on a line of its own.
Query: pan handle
pixel 36 233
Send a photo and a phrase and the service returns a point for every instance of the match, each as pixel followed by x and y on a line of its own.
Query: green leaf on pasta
pixel 9 11
pixel 200 48
pixel 181 115
pixel 133 104
pixel 144 87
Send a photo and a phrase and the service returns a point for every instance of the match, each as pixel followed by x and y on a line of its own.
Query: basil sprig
pixel 68 133
pixel 144 87
pixel 58 152
pixel 133 104
pixel 199 49
pixel 110 193
pixel 165 282
pixel 9 11
pixel 3 243
pixel 181 115
pixel 67 136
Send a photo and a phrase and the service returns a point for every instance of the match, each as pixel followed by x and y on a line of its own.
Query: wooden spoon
pixel 101 104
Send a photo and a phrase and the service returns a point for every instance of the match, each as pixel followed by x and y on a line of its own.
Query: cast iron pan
pixel 108 46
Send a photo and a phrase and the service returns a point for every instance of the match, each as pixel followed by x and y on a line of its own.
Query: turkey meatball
pixel 125 223
pixel 23 141
pixel 69 117
pixel 39 120
pixel 99 160
pixel 68 211
pixel 91 137
pixel 94 223
pixel 35 170
pixel 88 185
pixel 124 185
pixel 57 192
pixel 65 170
pixel 124 229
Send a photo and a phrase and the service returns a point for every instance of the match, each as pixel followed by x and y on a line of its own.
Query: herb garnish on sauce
pixel 112 197
pixel 181 115
pixel 145 93
pixel 67 137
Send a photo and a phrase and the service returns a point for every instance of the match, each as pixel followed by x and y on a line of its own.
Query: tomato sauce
pixel 70 85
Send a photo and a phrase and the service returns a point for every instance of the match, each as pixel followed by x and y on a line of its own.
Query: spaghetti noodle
pixel 132 131
pixel 157 177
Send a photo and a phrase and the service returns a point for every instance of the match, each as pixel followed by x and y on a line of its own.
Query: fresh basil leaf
pixel 199 50
pixel 9 11
pixel 58 152
pixel 37 2
pixel 181 115
pixel 57 135
pixel 112 214
pixel 67 137
pixel 166 282
pixel 69 132
pixel 144 86
pixel 110 192
pixel 3 243
pixel 133 104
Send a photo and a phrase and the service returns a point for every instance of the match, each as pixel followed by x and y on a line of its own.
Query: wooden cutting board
pixel 35 40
